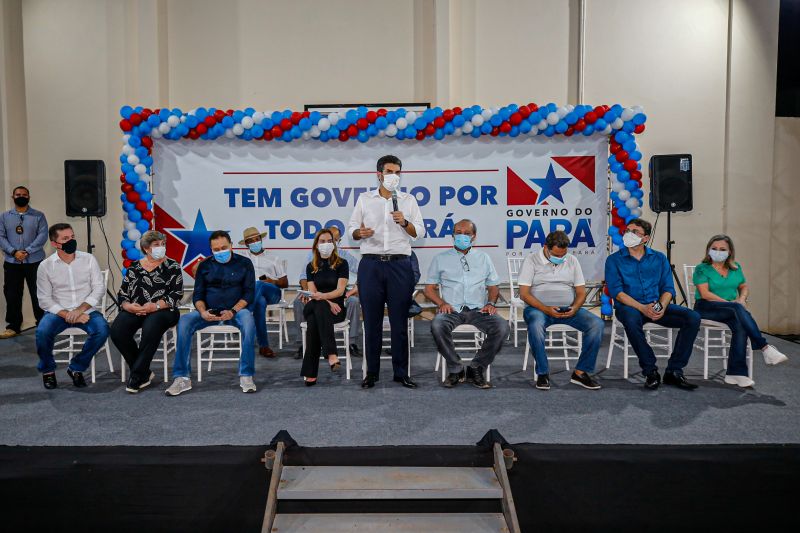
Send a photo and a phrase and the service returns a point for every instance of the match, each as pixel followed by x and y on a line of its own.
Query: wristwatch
pixel 493 304
pixel 158 305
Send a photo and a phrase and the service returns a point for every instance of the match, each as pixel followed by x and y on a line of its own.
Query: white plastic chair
pixel 73 338
pixel 516 305
pixel 465 337
pixel 217 338
pixel 564 342
pixel 706 341
pixel 276 316
pixel 656 340
pixel 168 345
pixel 343 328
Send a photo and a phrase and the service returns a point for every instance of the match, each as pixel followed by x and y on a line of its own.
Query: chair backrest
pixel 104 299
pixel 514 266
pixel 688 279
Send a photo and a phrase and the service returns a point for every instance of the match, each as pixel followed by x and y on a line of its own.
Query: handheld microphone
pixel 394 200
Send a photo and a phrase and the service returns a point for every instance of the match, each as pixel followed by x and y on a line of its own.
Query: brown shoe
pixel 266 352
pixel 8 333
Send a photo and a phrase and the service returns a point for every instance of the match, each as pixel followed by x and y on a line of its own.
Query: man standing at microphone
pixel 386 221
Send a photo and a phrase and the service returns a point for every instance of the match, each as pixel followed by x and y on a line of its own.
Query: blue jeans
pixel 742 326
pixel 584 321
pixel 676 316
pixel 191 322
pixel 266 294
pixel 51 325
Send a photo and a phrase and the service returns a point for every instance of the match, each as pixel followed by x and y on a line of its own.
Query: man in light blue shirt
pixel 351 304
pixel 464 277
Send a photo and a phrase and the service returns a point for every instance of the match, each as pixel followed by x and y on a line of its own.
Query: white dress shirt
pixel 62 286
pixel 265 264
pixel 375 212
pixel 551 284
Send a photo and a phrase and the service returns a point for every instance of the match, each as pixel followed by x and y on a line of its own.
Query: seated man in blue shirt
pixel 639 279
pixel 224 287
pixel 464 276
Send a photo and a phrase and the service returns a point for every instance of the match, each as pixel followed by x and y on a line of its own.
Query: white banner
pixel 515 190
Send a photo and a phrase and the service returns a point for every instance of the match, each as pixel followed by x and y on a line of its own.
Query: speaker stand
pixel 89 248
pixel 670 242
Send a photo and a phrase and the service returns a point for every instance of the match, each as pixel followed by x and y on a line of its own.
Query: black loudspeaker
pixel 670 183
pixel 85 188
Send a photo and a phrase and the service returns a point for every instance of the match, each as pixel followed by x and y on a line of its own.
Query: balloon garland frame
pixel 141 125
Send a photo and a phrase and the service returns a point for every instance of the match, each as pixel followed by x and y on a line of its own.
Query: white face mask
pixel 325 249
pixel 631 239
pixel 718 256
pixel 390 182
pixel 158 252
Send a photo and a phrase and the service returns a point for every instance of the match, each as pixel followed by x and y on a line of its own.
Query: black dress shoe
pixel 678 380
pixel 77 378
pixel 652 380
pixel 354 351
pixel 478 379
pixel 451 380
pixel 405 382
pixel 369 381
pixel 49 380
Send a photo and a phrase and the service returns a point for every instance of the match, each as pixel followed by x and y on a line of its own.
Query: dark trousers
pixel 389 284
pixel 742 326
pixel 153 327
pixel 320 339
pixel 16 275
pixel 684 319
pixel 494 326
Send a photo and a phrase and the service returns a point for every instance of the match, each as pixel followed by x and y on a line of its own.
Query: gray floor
pixel 340 413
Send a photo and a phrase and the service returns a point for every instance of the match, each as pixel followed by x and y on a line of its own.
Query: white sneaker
pixel 741 381
pixel 179 386
pixel 772 356
pixel 247 384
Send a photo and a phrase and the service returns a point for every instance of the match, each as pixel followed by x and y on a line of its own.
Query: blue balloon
pixel 142 226
pixel 127 244
pixel 134 254
pixel 600 125
pixel 638 193
pixel 588 130
pixel 146 196
pixel 333 132
pixel 191 121
pixel 639 118
pixel 257 131
pixel 617 240
pixel 362 111
pixel 314 116
pixel 164 115
pixel 606 309
pixel 623 211
pixel 267 124
pixel 410 132
pixel 621 137
pixel 323 136
pixel 438 134
pixel 486 128
pixel 153 120
pixel 629 146
pixel 420 123
pixel 505 114
pixel 525 127
pixel 561 127
pixel 467 114
pixel 352 115
pixel 391 117
pixel 628 127
pixel 249 111
pixel 131 177
pixel 177 111
pixel 636 156
pixel 126 111
pixel 246 135
pixel 513 107
pixel 126 167
pixel 304 124
pixel 571 118
pixel 127 206
pixel 476 132
pixel 286 137
pixel 616 166
pixel 514 131
pixel 140 186
pixel 623 176
pixel 124 272
pixel 237 116
pixel 200 113
pixel 614 196
pixel 134 216
pixel 631 185
pixel 612 159
pixel 227 121
pixel 549 131
pixel 429 115
pixel 449 128
pixel 372 130
pixel 381 123
pixel 400 135
pixel 458 121
pixel 276 116
pixel 496 120
pixel 135 141
pixel 362 136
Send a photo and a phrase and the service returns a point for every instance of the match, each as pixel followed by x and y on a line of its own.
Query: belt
pixel 385 257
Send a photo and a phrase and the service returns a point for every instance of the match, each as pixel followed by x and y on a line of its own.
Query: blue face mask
pixel 222 257
pixel 557 260
pixel 462 242
pixel 256 247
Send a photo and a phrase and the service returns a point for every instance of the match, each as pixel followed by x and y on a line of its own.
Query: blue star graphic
pixel 195 239
pixel 551 186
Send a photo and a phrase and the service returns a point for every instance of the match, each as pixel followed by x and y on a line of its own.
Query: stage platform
pixel 338 412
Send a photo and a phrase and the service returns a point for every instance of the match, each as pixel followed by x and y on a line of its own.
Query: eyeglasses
pixel 637 233
pixel 464 263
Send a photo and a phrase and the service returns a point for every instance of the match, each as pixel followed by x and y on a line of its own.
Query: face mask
pixel 256 247
pixel 557 260
pixel 631 239
pixel 718 256
pixel 325 249
pixel 158 252
pixel 222 256
pixel 462 242
pixel 21 201
pixel 390 182
pixel 70 246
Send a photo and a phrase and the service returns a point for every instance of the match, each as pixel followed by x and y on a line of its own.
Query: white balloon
pixel 637 109
pixel 134 234
pixel 562 112
pixel 315 131
pixel 133 159
pixel 229 133
pixel 183 118
pixel 126 137
pixel 542 125
pixel 238 129
pixel 552 118
pixel 155 133
pixel 381 133
pixel 486 114
pixel 617 186
pixel 172 121
pixel 570 108
pixel 192 111
pixel 324 124
pixel 477 120
pixel 306 135
pixel 457 132
pixel 145 178
pixel 333 118
pixel 127 149
pixel 140 169
pixel 164 128
pixel 607 130
pixel 391 130
pixel 624 195
pixel 401 123
pixel 411 116
pixel 468 126
pixel 258 116
pixel 247 122
pixel 636 211
pixel 130 226
pixel 627 114
pixel 632 203
pixel 617 124
pixel 138 245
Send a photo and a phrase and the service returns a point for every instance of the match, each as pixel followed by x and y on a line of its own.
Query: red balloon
pixel 605 289
pixel 371 116
pixel 146 112
pixel 267 136
pixel 630 164
pixel 352 131
pixel 524 111
pixel 591 117
pixel 132 196
pixel 362 124
pixel 141 205
pixel 193 134
pixel 135 119
pixel 456 111
pixel 382 112
pixel 495 132
pixel 448 115
pixel 122 178
pixel 295 118
pixel 599 111
pixel 439 122
pixel 229 112
pixel 515 119
pixel 276 132
pixel 615 148
pixel 429 130
pixel 533 107
pixel 210 121
pixel 639 128
pixel 127 263
pixel 147 142
pixel 614 212
pixel 147 215
pixel 580 125
pixel 125 125
pixel 305 114
pixel 202 128
pixel 343 136
pixel 420 135
pixel 126 187
pixel 286 124
pixel 505 127
pixel 570 131
pixel 219 114
pixel 636 175
pixel 622 155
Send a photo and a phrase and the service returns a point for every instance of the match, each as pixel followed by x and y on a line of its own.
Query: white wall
pixel 703 69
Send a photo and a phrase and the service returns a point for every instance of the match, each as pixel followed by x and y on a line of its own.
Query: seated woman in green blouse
pixel 721 296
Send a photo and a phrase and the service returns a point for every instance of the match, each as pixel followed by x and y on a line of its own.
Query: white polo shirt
pixel 553 285
pixel 265 264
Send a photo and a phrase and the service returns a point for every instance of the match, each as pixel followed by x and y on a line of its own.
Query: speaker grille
pixel 671 183
pixel 85 188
